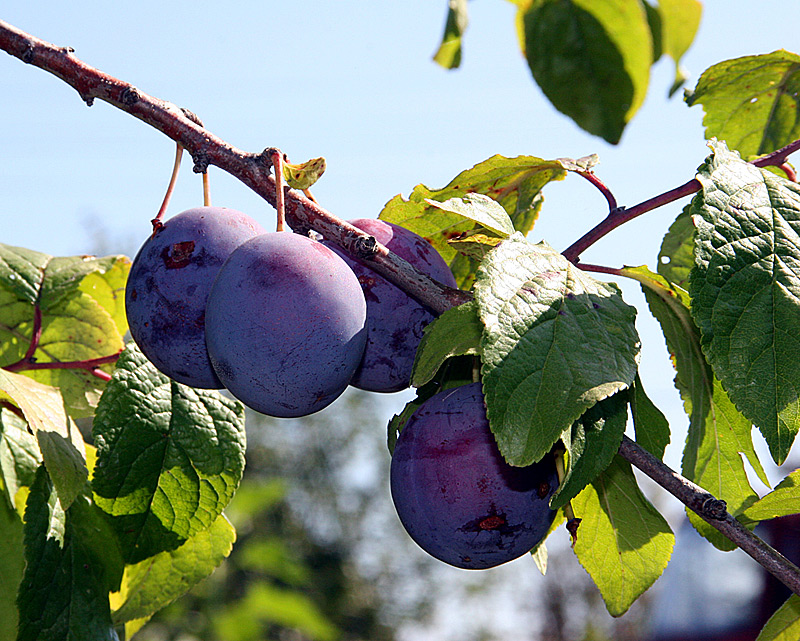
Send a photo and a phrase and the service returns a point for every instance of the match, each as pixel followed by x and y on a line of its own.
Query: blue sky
pixel 351 81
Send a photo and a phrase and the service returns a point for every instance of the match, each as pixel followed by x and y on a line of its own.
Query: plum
pixel 394 320
pixel 285 324
pixel 456 496
pixel 169 281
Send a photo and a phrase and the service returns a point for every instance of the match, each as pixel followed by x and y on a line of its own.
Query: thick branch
pixel 714 512
pixel 207 149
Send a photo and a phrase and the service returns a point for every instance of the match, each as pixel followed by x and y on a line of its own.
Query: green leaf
pixel 449 53
pixel 655 21
pixel 515 183
pixel 169 457
pixel 745 289
pixel 782 501
pixel 12 564
pixel 457 332
pixel 751 102
pixel 21 272
pixel 592 442
pixel 107 287
pixel 71 566
pixel 676 256
pixel 784 625
pixel 153 583
pixel 481 209
pixel 718 435
pixel 474 245
pixel 591 58
pixel 19 454
pixel 556 341
pixel 680 20
pixel 650 424
pixel 623 542
pixel 60 441
pixel 304 175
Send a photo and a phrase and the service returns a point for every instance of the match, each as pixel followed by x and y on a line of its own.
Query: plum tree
pixel 285 324
pixel 454 493
pixel 394 320
pixel 169 283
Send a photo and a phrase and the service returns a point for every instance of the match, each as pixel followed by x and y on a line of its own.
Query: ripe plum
pixel 169 281
pixel 456 496
pixel 285 324
pixel 394 320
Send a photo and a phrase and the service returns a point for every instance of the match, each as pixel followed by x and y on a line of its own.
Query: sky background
pixel 353 82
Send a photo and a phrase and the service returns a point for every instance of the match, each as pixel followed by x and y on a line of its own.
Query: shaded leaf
pixel 19 454
pixel 676 255
pixel 449 53
pixel 153 583
pixel 70 568
pixel 745 290
pixel 169 457
pixel 457 332
pixel 12 564
pixel 623 542
pixel 556 341
pixel 592 442
pixel 591 58
pixel 650 424
pixel 751 102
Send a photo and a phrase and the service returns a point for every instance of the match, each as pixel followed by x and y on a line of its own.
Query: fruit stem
pixel 572 521
pixel 601 186
pixel 206 190
pixel 170 188
pixel 277 165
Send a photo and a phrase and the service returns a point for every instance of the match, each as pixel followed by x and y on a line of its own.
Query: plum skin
pixel 394 320
pixel 285 324
pixel 456 496
pixel 168 285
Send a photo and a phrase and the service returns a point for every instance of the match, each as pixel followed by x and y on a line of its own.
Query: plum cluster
pixel 282 321
pixel 454 493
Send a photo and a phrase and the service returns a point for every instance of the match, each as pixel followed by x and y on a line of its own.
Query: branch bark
pixel 253 169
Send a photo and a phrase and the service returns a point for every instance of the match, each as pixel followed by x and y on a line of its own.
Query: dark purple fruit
pixel 454 493
pixel 285 324
pixel 394 320
pixel 169 282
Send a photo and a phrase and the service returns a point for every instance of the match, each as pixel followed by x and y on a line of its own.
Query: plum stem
pixel 206 190
pixel 170 188
pixel 280 207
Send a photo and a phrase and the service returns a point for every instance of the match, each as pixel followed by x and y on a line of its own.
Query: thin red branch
pixel 89 364
pixel 602 187
pixel 253 169
pixel 36 333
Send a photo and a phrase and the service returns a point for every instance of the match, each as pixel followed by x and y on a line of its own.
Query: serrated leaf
pixel 784 625
pixel 745 291
pixel 591 58
pixel 19 454
pixel 12 564
pixel 169 457
pixel 676 255
pixel 782 501
pixel 649 423
pixel 718 435
pixel 70 568
pixel 592 442
pixel 457 332
pixel 153 583
pixel 21 271
pixel 680 20
pixel 623 542
pixel 556 341
pixel 751 102
pixel 515 183
pixel 481 209
pixel 304 175
pixel 449 53
pixel 60 441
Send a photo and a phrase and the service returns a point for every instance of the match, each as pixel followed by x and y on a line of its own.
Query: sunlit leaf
pixel 449 53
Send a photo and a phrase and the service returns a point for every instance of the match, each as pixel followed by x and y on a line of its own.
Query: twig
pixel 601 186
pixel 714 512
pixel 207 149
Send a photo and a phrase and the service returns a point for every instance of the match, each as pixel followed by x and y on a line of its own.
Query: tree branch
pixel 207 149
pixel 304 214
